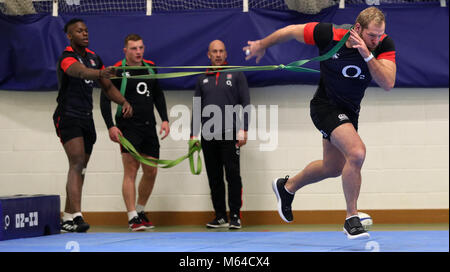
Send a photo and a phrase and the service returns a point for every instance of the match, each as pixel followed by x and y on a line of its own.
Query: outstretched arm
pixel 79 70
pixel 258 48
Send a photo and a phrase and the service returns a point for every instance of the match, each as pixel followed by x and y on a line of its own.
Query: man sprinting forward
pixel 368 54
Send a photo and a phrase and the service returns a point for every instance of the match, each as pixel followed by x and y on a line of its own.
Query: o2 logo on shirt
pixel 348 71
pixel 142 88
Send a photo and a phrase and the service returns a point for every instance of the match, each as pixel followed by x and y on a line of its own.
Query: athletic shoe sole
pixel 141 228
pixel 83 228
pixel 218 226
pixel 362 236
pixel 280 210
pixel 67 231
pixel 234 227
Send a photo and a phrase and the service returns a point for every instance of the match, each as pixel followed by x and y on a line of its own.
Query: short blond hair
pixel 370 15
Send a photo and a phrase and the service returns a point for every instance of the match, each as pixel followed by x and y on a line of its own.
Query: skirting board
pixel 425 216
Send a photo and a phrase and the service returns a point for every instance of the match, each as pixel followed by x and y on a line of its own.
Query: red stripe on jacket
pixel 390 55
pixel 65 63
pixel 339 33
pixel 308 33
pixel 70 49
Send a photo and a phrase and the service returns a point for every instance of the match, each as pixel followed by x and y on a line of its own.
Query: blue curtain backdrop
pixel 31 45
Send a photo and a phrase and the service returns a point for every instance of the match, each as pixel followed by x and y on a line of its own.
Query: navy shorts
pixel 68 127
pixel 326 117
pixel 142 136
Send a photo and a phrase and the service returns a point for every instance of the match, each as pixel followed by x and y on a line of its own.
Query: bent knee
pixel 357 155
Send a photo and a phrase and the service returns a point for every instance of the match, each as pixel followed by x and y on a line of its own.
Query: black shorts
pixel 68 127
pixel 143 137
pixel 326 117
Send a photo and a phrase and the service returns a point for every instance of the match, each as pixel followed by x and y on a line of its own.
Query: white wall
pixel 406 132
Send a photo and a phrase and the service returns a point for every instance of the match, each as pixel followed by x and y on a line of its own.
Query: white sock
pixel 132 215
pixel 67 217
pixel 288 190
pixel 77 214
pixel 140 208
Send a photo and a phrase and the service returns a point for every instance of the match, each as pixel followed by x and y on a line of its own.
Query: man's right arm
pixel 285 34
pixel 257 48
pixel 78 70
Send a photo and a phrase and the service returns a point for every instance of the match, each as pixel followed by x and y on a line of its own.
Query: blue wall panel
pixel 31 45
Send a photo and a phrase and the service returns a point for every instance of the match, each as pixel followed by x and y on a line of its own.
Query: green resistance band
pixel 194 146
pixel 293 66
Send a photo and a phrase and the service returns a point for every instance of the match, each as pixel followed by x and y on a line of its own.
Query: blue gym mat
pixel 326 241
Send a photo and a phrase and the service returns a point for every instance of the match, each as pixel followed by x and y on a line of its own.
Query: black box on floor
pixel 23 216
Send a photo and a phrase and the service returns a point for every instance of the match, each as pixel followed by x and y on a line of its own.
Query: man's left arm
pixel 383 70
pixel 244 97
pixel 113 94
pixel 161 107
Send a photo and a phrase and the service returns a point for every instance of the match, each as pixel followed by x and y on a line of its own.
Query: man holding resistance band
pixel 77 69
pixel 368 54
pixel 140 130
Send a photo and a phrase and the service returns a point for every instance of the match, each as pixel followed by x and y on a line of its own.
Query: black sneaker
pixel 67 226
pixel 80 225
pixel 284 199
pixel 235 222
pixel 354 229
pixel 218 222
pixel 145 220
pixel 136 224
